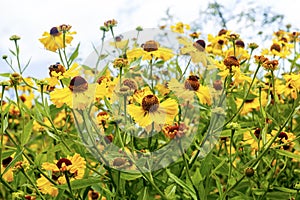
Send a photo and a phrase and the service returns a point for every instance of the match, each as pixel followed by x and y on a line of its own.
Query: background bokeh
pixel 30 18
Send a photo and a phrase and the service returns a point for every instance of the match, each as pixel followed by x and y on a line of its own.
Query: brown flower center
pixel 240 43
pixel 222 32
pixel 283 135
pixel 57 68
pixel 54 31
pixel 276 47
pixel 231 61
pixel 257 133
pixel 131 84
pixel 119 162
pixel 199 44
pixel 218 85
pixel 150 45
pixel 6 161
pixel 63 160
pixel 150 103
pixel 78 84
pixel 192 83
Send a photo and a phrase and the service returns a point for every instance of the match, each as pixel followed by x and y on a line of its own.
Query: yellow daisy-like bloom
pixel 179 27
pixel 195 49
pixel 291 87
pixel 191 87
pixel 281 49
pixel 252 104
pixel 239 52
pixel 54 39
pixel 58 72
pixel 217 43
pixel 255 140
pixel 286 139
pixel 119 42
pixel 46 187
pixel 26 85
pixel 27 99
pixel 72 166
pixel 237 76
pixel 150 50
pixel 162 89
pixel 9 175
pixel 78 95
pixel 149 109
pixel 107 87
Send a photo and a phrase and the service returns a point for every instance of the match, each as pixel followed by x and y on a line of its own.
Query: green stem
pixel 2 124
pixel 244 100
pixel 99 54
pixel 64 49
pixel 187 170
pixel 185 69
pixel 32 183
pixel 18 56
pixel 69 184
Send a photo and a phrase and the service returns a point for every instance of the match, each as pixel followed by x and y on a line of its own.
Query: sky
pixel 30 18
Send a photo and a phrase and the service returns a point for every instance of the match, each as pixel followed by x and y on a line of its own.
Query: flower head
pixel 150 50
pixel 150 109
pixel 189 88
pixel 57 38
pixel 179 27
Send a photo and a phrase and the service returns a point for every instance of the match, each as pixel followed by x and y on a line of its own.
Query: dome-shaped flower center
pixel 283 135
pixel 231 61
pixel 200 45
pixel 57 68
pixel 192 83
pixel 150 45
pixel 78 84
pixel 131 84
pixel 150 103
pixel 67 162
pixel 6 161
pixel 54 31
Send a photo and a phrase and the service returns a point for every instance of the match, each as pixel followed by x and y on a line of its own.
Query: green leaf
pixel 283 189
pixel 288 154
pixel 80 183
pixel 74 55
pixel 26 132
pixel 182 184
pixel 130 176
pixel 5 74
pixel 52 135
pixel 12 52
pixel 170 191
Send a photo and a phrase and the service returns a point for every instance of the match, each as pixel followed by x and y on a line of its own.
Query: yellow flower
pixel 217 43
pixel 255 139
pixel 237 76
pixel 195 49
pixel 58 72
pixel 55 40
pixel 249 105
pixel 150 109
pixel 27 99
pixel 46 187
pixel 78 95
pixel 179 27
pixel 286 139
pixel 119 43
pixel 150 50
pixel 239 52
pixel 72 166
pixel 191 87
pixel 9 175
pixel 291 87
